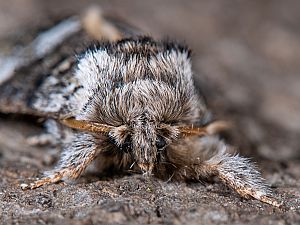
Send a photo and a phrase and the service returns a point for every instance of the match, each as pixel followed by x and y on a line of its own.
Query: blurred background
pixel 246 57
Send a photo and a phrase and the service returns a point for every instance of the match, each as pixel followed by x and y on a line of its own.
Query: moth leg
pixel 240 174
pixel 76 156
pixel 46 180
pixel 209 156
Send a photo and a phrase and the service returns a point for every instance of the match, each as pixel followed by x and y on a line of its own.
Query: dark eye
pixel 160 142
pixel 126 145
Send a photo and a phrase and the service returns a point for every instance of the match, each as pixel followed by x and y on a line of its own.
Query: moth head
pixel 140 139
pixel 144 139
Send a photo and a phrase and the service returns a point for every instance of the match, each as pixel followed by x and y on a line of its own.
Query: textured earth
pixel 246 58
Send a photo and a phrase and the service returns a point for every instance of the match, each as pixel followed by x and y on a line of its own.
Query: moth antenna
pixel 218 126
pixel 86 125
pixel 212 128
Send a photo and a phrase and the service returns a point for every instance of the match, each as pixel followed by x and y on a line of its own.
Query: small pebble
pixel 24 186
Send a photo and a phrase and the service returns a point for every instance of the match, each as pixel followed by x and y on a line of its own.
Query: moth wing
pixel 43 86
pixel 39 87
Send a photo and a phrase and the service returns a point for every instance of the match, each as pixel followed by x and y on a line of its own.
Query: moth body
pixel 141 88
pixel 132 105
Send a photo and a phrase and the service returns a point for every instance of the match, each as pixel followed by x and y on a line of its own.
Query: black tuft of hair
pixel 143 46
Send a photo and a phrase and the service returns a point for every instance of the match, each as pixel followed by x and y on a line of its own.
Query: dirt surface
pixel 246 58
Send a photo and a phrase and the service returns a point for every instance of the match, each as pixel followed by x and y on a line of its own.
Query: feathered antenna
pixel 86 125
pixel 212 128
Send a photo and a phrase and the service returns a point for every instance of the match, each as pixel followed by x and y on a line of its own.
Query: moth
pixel 129 104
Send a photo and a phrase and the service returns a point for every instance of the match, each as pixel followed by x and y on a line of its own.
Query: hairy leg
pixel 209 156
pixel 242 176
pixel 76 156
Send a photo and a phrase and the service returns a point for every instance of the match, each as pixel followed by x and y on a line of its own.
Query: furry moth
pixel 132 104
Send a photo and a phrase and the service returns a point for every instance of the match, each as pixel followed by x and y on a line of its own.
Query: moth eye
pixel 126 145
pixel 160 142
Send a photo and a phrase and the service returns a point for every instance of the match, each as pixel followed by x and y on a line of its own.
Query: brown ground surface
pixel 246 58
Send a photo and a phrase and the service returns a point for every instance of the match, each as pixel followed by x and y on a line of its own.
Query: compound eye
pixel 160 142
pixel 126 146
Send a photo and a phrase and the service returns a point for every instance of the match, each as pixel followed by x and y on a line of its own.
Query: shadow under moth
pixel 126 103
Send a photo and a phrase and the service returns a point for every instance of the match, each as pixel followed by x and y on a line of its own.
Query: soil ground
pixel 246 58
